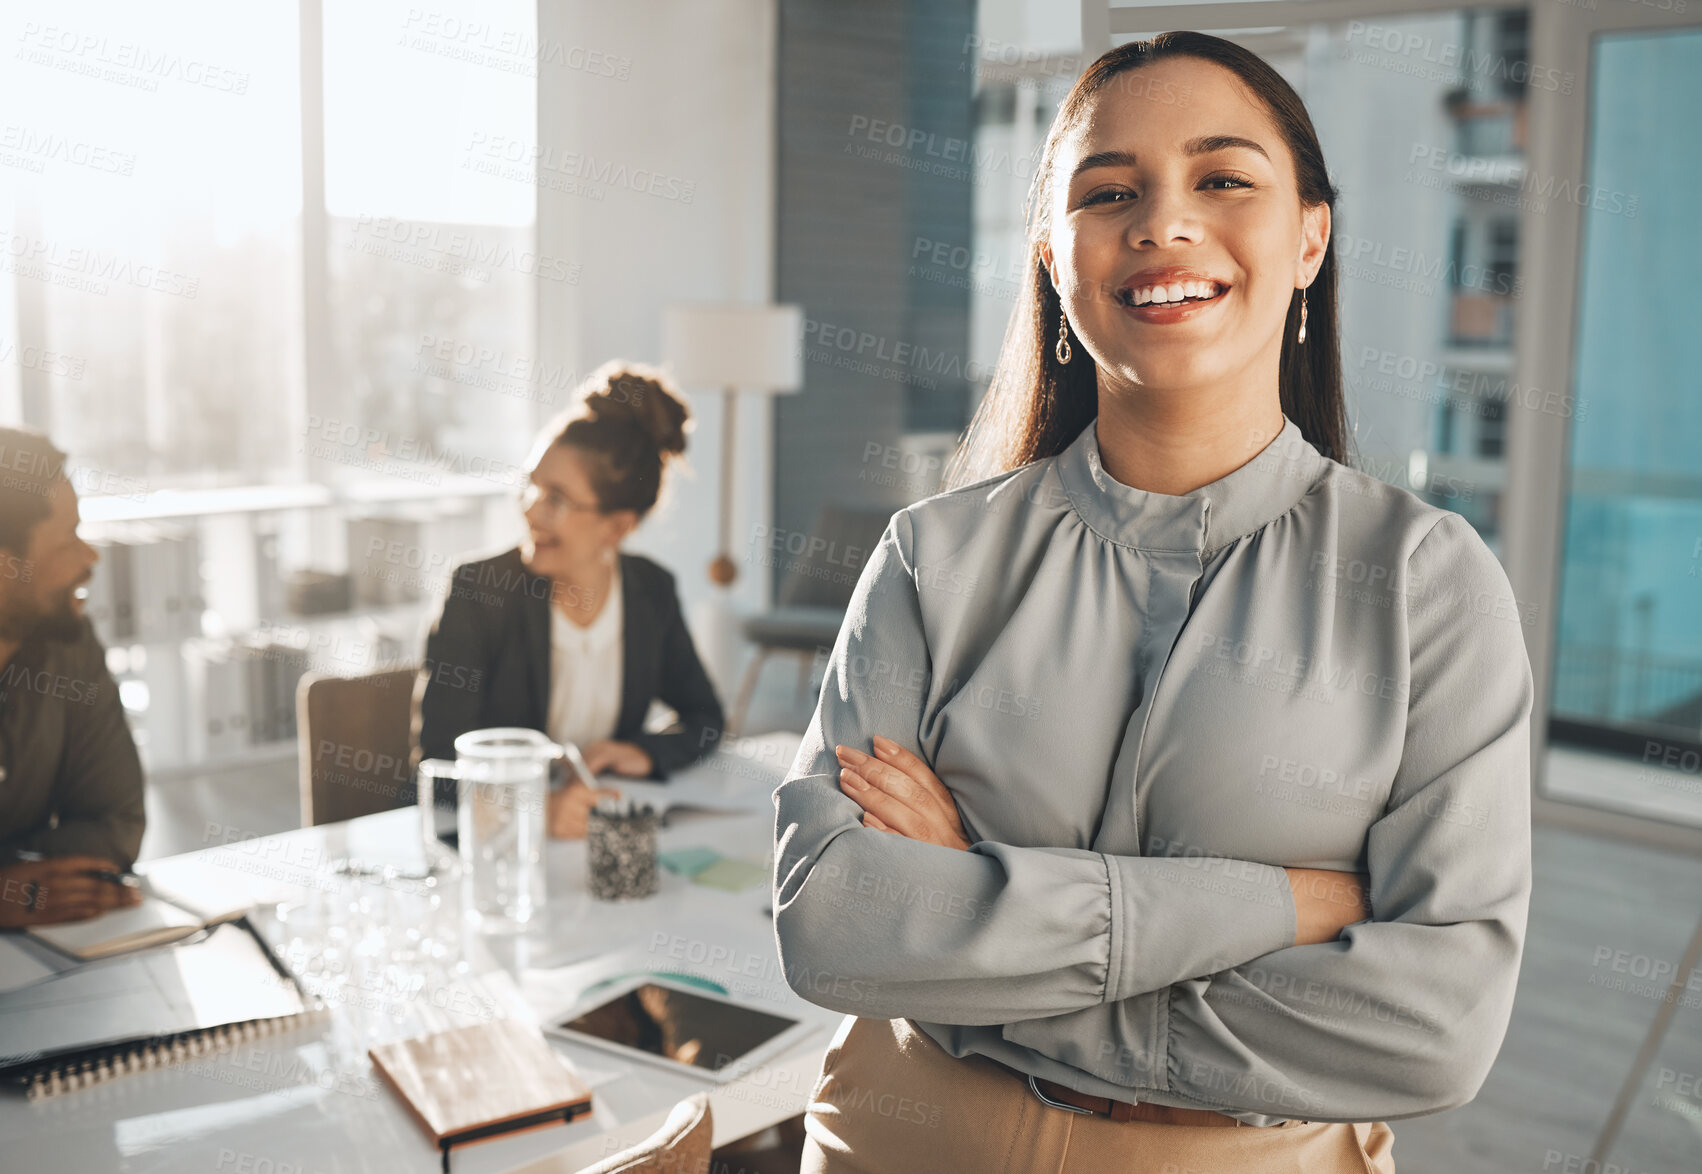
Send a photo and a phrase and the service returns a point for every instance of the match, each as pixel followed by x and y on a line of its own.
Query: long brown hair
pixel 1035 406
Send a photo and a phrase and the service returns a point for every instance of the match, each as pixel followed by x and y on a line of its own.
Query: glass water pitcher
pixel 504 784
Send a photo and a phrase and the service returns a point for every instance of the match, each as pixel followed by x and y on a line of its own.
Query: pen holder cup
pixel 621 851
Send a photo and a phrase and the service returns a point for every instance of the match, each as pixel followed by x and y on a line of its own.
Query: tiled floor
pixel 1601 911
pixel 1627 785
pixel 1605 916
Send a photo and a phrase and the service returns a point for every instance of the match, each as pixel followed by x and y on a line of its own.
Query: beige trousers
pixel 890 1100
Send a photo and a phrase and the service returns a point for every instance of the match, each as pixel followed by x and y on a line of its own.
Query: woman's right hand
pixel 1326 902
pixel 570 809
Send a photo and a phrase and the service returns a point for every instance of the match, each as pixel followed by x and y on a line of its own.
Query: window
pixel 1512 43
pixel 150 177
pixel 159 275
pixel 430 167
pixel 1502 266
pixel 1628 663
pixel 1492 429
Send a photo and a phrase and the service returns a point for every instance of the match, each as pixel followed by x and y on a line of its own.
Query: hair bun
pixel 642 397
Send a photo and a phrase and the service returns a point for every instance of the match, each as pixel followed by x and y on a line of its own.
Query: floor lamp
pixel 753 349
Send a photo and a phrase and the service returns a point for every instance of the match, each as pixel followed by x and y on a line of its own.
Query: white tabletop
pixel 309 1102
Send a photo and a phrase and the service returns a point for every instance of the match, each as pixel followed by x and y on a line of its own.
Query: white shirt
pixel 585 673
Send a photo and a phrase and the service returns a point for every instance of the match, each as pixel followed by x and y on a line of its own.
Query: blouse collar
pixel 1203 521
pixel 602 632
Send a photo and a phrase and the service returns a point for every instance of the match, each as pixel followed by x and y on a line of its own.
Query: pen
pixel 125 877
pixel 579 765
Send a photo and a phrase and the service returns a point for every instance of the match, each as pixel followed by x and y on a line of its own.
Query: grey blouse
pixel 1146 706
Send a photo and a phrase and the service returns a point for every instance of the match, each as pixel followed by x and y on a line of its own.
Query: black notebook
pixel 147 1010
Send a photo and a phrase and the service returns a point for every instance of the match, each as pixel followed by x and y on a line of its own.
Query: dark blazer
pixel 487 662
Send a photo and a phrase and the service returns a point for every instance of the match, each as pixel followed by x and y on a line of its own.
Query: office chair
pixel 355 744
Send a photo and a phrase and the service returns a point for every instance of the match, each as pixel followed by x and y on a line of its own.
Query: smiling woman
pixel 580 637
pixel 1258 857
pixel 1195 155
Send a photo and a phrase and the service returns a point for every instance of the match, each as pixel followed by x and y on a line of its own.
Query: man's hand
pixel 64 888
pixel 621 757
pixel 1326 902
pixel 570 809
pixel 899 794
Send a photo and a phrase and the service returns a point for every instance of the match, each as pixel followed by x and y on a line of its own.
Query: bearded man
pixel 71 814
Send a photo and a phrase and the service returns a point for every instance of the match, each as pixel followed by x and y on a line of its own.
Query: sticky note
pixel 688 861
pixel 731 874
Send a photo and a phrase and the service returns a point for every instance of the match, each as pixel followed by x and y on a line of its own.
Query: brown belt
pixel 1049 1090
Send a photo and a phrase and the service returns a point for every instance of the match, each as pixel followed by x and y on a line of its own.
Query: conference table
pixel 389 957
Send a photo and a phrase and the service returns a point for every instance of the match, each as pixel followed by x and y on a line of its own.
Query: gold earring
pixel 1062 350
pixel 1301 337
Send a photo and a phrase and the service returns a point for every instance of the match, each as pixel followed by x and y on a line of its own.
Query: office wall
pixel 890 344
pixel 696 107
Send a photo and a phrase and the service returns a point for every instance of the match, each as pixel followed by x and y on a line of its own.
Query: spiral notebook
pixel 147 1010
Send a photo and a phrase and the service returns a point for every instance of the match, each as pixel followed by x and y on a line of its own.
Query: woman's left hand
pixel 623 758
pixel 899 794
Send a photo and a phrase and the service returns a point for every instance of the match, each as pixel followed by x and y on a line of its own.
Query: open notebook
pixel 739 778
pixel 145 1011
pixel 164 915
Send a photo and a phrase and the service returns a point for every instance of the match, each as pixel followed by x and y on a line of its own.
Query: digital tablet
pixel 664 1022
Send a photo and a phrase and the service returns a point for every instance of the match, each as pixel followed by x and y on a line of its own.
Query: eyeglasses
pixel 557 505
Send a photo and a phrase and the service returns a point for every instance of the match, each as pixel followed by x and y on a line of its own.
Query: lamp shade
pixel 752 348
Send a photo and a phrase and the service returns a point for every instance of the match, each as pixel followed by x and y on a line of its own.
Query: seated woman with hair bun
pixel 566 633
